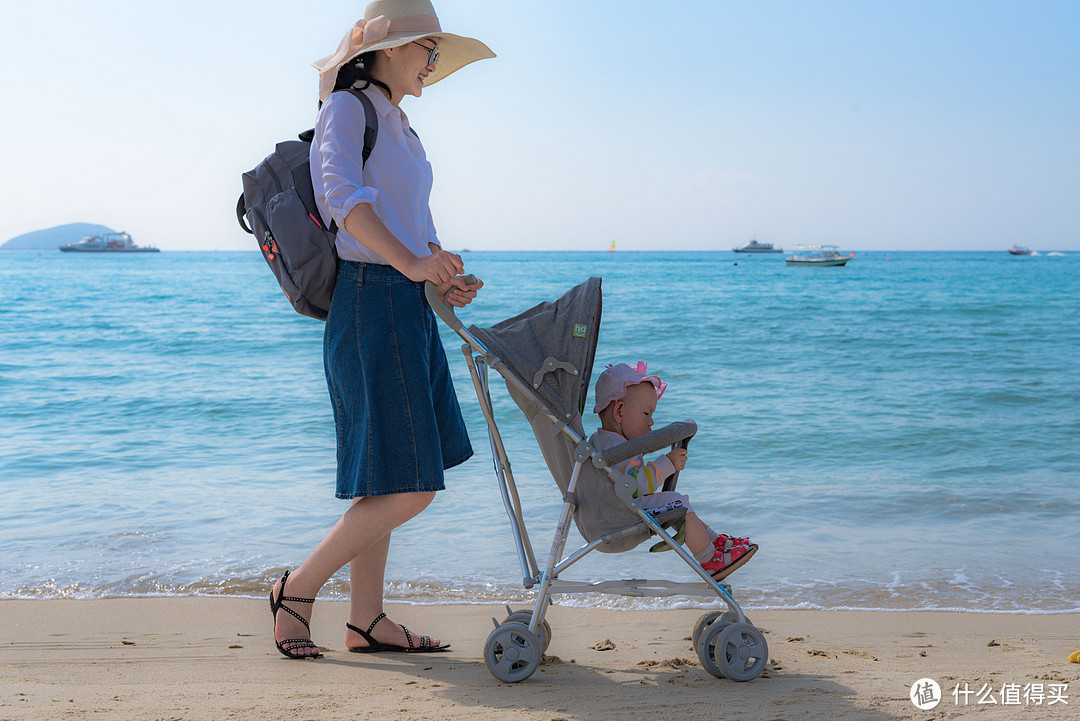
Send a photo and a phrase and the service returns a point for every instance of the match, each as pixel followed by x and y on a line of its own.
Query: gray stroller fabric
pixel 542 348
pixel 600 511
pixel 565 330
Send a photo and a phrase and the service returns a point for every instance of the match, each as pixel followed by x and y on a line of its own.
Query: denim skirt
pixel 399 425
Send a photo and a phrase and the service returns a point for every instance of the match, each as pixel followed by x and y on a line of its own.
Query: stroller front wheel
pixel 708 619
pixel 703 623
pixel 525 617
pixel 737 651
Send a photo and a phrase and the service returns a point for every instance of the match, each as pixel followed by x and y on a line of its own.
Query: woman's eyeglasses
pixel 433 53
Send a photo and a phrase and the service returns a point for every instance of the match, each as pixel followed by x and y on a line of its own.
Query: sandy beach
pixel 213 658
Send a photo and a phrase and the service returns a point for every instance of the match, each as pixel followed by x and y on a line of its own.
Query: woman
pixel 398 422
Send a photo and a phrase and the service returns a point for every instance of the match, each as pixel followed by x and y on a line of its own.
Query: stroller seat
pixel 598 513
pixel 545 356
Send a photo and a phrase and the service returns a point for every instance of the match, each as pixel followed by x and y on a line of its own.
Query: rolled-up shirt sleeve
pixel 341 132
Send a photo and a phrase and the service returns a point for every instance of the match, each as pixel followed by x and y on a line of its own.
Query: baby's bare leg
pixel 697 537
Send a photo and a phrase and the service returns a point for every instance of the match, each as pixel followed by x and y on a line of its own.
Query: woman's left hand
pixel 457 292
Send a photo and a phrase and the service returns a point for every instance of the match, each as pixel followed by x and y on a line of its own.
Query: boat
pixel 107 243
pixel 755 247
pixel 817 255
pixel 1019 250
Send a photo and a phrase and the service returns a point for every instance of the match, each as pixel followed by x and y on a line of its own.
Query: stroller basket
pixel 545 356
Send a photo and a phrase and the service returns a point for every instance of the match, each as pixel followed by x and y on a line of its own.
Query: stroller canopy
pixel 545 345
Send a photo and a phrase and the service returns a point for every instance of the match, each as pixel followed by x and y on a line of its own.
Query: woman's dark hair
pixel 358 70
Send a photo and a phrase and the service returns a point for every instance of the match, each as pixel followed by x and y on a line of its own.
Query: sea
pixel 902 433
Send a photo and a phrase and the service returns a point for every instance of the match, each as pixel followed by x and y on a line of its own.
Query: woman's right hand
pixel 439 267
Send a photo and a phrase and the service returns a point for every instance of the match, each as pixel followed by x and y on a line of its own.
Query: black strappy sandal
pixel 289 645
pixel 375 647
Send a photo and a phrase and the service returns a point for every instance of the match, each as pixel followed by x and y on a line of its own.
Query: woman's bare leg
pixel 367 573
pixel 368 522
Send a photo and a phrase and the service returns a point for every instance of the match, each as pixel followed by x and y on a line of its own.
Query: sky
pixel 891 125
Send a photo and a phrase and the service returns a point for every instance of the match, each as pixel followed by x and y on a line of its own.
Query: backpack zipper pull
pixel 269 246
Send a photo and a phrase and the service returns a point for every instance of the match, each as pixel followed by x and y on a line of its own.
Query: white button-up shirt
pixel 396 180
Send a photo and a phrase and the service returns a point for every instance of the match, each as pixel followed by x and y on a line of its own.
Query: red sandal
pixel 723 538
pixel 728 558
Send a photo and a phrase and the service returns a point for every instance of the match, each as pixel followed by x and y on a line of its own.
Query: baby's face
pixel 639 403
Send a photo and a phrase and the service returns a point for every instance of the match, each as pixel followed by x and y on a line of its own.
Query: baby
pixel 625 401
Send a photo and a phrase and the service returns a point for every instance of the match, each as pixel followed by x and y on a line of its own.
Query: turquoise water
pixel 900 433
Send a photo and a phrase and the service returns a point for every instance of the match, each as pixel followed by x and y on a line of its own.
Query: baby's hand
pixel 678 458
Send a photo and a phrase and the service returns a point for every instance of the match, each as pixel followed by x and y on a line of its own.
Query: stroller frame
pixel 727 644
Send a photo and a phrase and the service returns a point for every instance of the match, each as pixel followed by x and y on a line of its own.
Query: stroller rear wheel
pixel 512 652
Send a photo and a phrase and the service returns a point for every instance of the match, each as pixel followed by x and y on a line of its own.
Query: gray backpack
pixel 279 203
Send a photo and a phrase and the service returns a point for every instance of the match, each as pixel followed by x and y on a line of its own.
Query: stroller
pixel 545 356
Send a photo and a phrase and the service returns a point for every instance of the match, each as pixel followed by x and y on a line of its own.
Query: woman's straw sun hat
pixel 391 24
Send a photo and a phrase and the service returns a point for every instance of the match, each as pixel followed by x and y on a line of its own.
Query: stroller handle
pixel 442 309
pixel 669 483
pixel 651 442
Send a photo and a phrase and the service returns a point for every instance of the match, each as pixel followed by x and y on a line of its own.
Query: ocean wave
pixel 955 594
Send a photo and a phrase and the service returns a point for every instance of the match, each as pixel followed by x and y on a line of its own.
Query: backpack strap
pixel 241 209
pixel 371 122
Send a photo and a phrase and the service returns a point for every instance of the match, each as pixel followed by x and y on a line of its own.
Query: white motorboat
pixel 108 243
pixel 755 247
pixel 818 255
